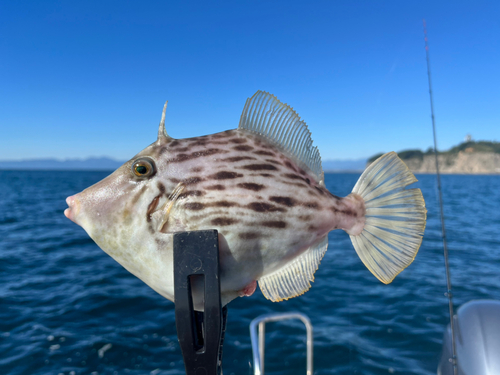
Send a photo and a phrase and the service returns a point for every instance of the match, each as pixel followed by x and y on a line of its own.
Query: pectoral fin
pixel 161 216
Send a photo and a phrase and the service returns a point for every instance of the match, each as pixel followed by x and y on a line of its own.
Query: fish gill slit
pixel 152 207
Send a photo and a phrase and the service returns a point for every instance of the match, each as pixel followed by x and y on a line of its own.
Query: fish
pixel 261 186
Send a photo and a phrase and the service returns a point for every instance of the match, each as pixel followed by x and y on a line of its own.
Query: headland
pixel 470 157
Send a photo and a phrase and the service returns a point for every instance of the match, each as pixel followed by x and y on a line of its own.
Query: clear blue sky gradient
pixel 89 78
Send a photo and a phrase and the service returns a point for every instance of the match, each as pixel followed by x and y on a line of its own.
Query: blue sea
pixel 68 308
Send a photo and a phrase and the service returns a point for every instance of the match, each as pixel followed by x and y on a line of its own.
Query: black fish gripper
pixel 200 334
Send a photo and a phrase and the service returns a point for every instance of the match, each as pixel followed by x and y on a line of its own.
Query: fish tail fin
pixel 394 220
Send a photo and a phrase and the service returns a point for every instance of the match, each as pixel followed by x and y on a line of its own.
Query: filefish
pixel 261 186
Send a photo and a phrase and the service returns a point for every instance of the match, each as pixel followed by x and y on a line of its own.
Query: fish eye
pixel 144 168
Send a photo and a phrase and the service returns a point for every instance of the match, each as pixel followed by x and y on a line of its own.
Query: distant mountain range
pixel 105 163
pixel 94 164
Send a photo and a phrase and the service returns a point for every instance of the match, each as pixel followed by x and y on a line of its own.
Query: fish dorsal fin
pixel 265 115
pixel 294 279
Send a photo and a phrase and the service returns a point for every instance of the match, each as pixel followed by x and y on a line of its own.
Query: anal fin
pixel 294 279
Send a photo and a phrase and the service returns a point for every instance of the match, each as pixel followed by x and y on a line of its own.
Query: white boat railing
pixel 258 338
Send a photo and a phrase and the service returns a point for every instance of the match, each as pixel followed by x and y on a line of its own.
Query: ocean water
pixel 68 308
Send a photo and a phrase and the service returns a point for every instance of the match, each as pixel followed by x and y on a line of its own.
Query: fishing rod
pixel 440 197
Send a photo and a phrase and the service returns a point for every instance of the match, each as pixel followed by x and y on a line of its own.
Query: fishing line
pixel 440 197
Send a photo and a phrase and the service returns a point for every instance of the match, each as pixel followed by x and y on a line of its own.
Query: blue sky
pixel 89 78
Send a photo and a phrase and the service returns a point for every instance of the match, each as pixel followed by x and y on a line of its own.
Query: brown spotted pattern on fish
pixel 233 175
pixel 261 186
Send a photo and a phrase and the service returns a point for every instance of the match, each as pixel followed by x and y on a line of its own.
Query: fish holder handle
pixel 200 334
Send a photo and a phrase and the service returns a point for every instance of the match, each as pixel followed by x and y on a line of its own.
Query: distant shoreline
pixel 460 163
pixel 93 163
pixel 53 170
pixel 467 158
pixel 109 164
pixel 344 171
pixel 326 172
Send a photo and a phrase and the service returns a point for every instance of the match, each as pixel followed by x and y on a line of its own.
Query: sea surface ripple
pixel 68 308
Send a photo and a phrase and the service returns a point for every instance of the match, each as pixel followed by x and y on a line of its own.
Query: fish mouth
pixel 73 208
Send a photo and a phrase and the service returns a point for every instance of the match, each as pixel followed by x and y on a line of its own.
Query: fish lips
pixel 73 208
